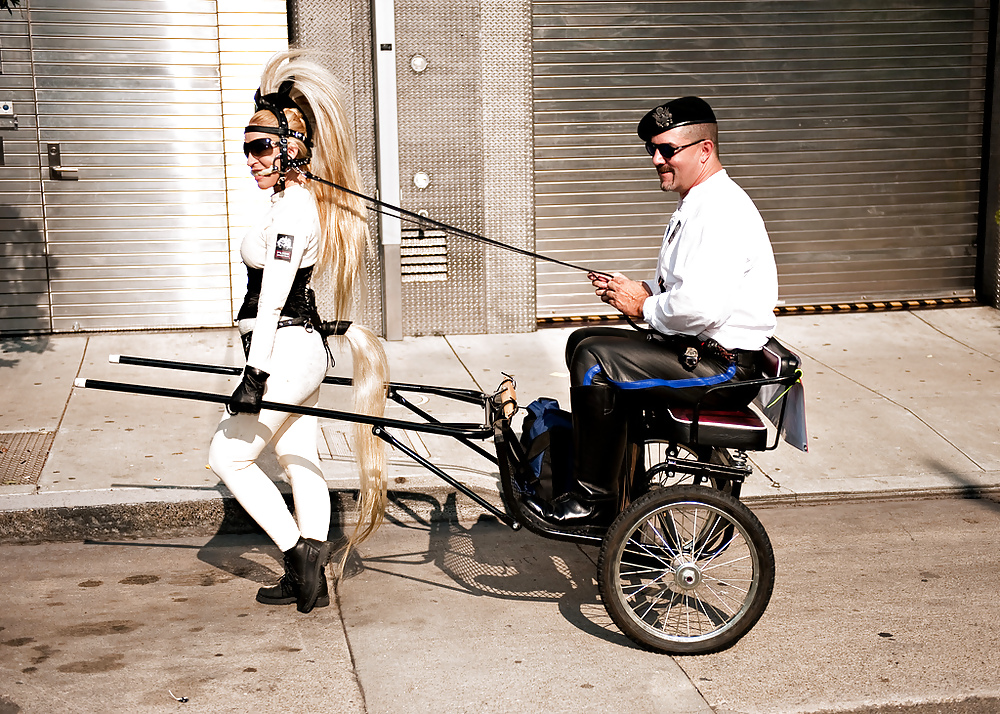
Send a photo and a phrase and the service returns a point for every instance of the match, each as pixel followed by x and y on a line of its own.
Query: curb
pixel 223 514
pixel 991 493
pixel 208 516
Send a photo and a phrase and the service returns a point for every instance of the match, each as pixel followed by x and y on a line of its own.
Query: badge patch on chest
pixel 283 247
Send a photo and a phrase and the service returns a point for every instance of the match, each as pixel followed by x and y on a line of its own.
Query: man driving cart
pixel 710 307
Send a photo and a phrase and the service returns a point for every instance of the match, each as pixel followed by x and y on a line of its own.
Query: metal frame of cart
pixel 686 568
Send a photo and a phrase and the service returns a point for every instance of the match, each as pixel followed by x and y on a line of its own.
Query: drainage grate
pixel 22 455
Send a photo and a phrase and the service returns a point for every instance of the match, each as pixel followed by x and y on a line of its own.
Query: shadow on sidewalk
pixel 488 559
pixel 26 345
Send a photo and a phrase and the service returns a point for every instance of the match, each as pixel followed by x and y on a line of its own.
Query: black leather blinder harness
pixel 276 103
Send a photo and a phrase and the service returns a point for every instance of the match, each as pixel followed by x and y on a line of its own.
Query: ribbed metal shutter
pixel 129 90
pixel 855 125
pixel 24 301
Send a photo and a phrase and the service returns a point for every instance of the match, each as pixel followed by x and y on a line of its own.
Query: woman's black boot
pixel 285 592
pixel 305 565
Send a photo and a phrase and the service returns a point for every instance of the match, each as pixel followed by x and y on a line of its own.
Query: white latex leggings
pixel 300 360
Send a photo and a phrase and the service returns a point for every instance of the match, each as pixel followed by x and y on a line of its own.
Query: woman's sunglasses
pixel 666 150
pixel 259 147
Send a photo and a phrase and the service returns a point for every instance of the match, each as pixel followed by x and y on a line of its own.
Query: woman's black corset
pixel 301 301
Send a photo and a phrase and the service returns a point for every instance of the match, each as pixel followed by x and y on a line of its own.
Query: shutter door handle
pixel 58 172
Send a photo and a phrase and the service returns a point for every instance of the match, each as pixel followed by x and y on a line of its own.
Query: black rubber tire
pixel 686 570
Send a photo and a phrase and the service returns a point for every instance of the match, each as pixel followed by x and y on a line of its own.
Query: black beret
pixel 679 112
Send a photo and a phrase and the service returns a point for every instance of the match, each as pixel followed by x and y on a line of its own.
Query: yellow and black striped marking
pixel 818 309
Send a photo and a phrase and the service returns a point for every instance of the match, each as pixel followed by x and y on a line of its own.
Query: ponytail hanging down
pixel 371 375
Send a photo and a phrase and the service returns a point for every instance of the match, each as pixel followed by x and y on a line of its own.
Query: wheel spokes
pixel 672 576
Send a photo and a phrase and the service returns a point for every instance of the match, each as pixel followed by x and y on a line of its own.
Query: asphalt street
pixel 886 606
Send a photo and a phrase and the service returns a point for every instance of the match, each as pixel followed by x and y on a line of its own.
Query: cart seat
pixel 727 428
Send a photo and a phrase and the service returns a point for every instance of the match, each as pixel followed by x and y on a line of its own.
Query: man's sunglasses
pixel 666 150
pixel 259 147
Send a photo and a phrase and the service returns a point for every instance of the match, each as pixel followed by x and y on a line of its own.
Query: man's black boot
pixel 305 565
pixel 598 454
pixel 285 592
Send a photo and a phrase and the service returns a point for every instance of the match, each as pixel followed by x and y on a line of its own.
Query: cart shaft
pixel 444 429
pixel 465 395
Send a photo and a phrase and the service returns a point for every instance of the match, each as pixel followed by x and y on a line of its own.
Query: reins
pixel 415 218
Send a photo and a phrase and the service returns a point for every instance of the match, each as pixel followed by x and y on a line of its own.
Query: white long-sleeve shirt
pixel 716 276
pixel 286 239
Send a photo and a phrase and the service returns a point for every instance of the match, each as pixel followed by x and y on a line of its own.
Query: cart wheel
pixel 686 570
pixel 656 453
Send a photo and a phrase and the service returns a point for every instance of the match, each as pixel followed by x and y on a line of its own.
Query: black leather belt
pixel 293 321
pixel 746 359
pixel 690 350
pixel 246 337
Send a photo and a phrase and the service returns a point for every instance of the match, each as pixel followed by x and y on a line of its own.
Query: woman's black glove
pixel 247 397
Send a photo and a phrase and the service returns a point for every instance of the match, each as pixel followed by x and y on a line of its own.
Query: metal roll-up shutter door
pixel 24 293
pixel 130 93
pixel 856 128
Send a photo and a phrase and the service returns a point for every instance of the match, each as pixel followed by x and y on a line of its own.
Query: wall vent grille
pixel 424 256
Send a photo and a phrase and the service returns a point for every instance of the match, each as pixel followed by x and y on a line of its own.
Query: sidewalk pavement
pixel 898 404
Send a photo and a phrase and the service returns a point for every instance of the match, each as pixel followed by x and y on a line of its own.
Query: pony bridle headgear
pixel 276 103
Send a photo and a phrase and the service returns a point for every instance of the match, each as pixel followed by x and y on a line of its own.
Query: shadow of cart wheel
pixel 487 559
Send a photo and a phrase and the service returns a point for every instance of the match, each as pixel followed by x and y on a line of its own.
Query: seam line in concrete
pixel 62 415
pixel 350 649
pixel 464 366
pixel 953 339
pixel 894 402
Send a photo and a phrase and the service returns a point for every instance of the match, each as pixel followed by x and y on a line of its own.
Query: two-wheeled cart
pixel 686 568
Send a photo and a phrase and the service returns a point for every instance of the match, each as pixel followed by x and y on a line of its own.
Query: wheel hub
pixel 687 576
